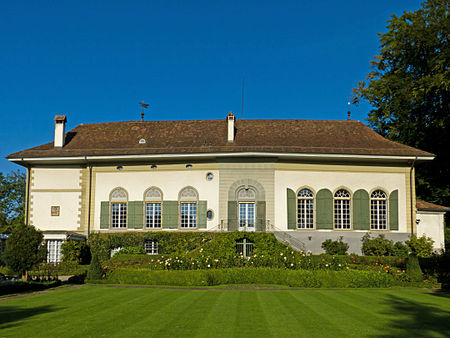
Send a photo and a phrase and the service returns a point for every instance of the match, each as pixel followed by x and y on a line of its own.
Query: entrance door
pixel 246 216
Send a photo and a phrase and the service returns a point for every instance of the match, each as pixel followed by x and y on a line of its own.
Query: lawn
pixel 126 311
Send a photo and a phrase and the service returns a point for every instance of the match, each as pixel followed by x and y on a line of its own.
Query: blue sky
pixel 95 60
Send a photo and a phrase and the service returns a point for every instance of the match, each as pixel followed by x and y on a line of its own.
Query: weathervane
pixel 144 106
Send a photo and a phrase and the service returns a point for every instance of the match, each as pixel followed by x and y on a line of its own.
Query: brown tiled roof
pixel 205 136
pixel 427 206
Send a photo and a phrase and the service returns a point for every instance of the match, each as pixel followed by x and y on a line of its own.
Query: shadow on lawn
pixel 10 314
pixel 416 319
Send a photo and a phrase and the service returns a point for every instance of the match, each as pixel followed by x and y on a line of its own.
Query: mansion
pixel 304 180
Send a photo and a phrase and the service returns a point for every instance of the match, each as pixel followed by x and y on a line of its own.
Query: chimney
pixel 60 130
pixel 230 119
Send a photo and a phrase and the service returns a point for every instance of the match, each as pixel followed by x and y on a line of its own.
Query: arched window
pixel 153 200
pixel 188 208
pixel 342 209
pixel 305 209
pixel 118 201
pixel 378 210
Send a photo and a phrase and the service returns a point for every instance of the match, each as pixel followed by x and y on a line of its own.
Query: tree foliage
pixel 12 200
pixel 409 91
pixel 23 249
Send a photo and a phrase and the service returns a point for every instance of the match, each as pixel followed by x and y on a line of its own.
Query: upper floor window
pixel 378 210
pixel 118 201
pixel 305 209
pixel 153 200
pixel 342 209
pixel 188 208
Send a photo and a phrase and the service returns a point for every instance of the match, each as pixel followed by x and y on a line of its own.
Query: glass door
pixel 246 216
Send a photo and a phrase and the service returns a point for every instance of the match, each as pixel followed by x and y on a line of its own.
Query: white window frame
pixel 342 210
pixel 249 215
pixel 151 247
pixel 305 209
pixel 378 210
pixel 54 252
pixel 152 216
pixel 119 217
pixel 189 222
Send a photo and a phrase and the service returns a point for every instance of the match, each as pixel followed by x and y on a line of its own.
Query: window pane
pixel 153 215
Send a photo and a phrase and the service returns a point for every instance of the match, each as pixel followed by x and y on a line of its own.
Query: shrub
pixel 95 270
pixel 379 246
pixel 59 269
pixel 77 279
pixel 400 249
pixel 76 251
pixel 447 238
pixel 335 247
pixel 10 287
pixel 261 276
pixel 422 246
pixel 130 250
pixel 370 261
pixel 413 270
pixel 444 271
pixel 23 249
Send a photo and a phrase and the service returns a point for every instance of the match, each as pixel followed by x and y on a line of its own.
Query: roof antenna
pixel 242 106
pixel 349 112
pixel 144 106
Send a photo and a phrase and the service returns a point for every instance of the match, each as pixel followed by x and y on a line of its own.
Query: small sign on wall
pixel 54 209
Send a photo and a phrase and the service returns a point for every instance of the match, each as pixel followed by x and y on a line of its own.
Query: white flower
pixel 281 254
pixel 292 264
pixel 285 258
pixel 209 266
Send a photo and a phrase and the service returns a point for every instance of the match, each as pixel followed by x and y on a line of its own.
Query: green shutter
pixel 170 215
pixel 202 206
pixel 291 209
pixel 135 215
pixel 104 215
pixel 232 216
pixel 361 211
pixel 261 216
pixel 393 210
pixel 324 212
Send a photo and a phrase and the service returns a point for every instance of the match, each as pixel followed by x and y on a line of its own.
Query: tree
pixel 23 249
pixel 409 91
pixel 12 200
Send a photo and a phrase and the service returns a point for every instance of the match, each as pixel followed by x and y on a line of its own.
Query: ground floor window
pixel 378 210
pixel 305 209
pixel 188 214
pixel 153 215
pixel 342 209
pixel 247 214
pixel 118 215
pixel 244 247
pixel 54 254
pixel 151 247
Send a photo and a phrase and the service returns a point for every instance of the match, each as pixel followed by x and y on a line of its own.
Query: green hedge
pixel 10 287
pixel 292 278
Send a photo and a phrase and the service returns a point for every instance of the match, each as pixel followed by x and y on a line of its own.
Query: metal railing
pixel 285 238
